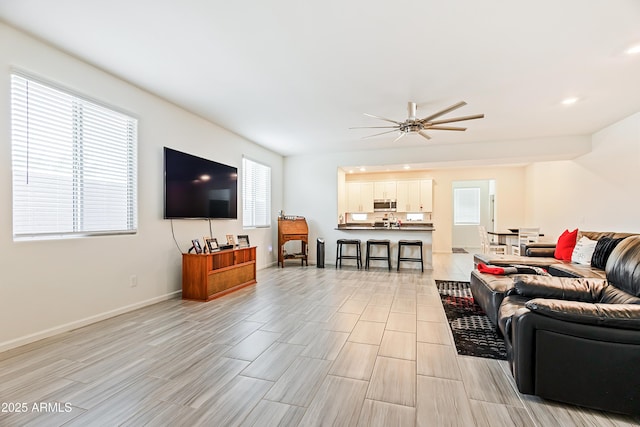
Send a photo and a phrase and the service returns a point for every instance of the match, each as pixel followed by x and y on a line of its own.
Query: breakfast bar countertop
pixel 403 227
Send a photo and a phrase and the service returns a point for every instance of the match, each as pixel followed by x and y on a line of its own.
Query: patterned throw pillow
pixel 583 251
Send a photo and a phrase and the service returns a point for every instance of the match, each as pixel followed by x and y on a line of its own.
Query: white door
pixel 471 208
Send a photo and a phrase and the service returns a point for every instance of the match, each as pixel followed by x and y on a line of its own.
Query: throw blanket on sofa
pixel 512 269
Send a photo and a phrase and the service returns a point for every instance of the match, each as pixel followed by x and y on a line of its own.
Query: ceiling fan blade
pixel 424 135
pixel 446 128
pixel 381 118
pixel 399 136
pixel 445 111
pixel 382 133
pixel 374 127
pixel 456 119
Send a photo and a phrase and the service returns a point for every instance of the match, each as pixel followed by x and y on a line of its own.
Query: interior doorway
pixel 473 205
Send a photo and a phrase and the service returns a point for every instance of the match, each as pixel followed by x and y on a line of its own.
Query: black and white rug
pixel 473 333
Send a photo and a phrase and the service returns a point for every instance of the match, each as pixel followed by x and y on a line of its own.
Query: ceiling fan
pixel 419 126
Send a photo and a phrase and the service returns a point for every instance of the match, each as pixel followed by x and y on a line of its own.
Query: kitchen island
pixel 365 231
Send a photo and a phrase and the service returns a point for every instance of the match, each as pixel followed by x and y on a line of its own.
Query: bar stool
pixel 375 242
pixel 403 243
pixel 357 256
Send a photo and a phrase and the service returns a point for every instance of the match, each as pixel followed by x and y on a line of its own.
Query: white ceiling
pixel 294 75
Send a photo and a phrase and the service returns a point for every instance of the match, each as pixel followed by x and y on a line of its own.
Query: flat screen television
pixel 198 188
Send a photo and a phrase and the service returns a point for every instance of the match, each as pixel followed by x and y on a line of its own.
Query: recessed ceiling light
pixel 350 170
pixel 407 167
pixel 362 169
pixel 633 50
pixel 569 101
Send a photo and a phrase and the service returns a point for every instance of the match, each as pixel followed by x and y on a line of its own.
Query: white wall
pixel 51 286
pixel 597 191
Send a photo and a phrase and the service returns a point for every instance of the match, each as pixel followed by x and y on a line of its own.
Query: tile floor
pixel 305 346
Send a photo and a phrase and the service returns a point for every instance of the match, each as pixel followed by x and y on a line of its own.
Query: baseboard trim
pixel 47 333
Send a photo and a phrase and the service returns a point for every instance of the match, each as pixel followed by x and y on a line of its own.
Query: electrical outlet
pixel 133 281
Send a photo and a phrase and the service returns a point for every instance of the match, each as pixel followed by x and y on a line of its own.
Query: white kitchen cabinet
pixel 408 196
pixel 415 195
pixel 359 196
pixel 384 190
pixel 426 195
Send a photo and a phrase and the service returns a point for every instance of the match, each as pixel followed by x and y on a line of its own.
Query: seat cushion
pixel 502 260
pixel 576 270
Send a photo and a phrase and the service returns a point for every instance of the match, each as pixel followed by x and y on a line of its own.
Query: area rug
pixel 459 251
pixel 473 333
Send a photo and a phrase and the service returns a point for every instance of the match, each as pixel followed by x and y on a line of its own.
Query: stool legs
pixel 416 243
pixel 340 256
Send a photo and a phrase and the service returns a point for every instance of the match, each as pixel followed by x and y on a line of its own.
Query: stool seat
pixel 381 242
pixel 340 256
pixel 403 243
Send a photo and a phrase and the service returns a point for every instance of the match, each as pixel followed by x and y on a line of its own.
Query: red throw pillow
pixel 565 245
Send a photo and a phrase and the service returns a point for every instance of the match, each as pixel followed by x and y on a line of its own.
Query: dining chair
pixel 525 237
pixel 489 247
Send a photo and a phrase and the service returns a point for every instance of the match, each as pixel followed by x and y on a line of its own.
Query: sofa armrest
pixel 562 288
pixel 624 316
pixel 539 251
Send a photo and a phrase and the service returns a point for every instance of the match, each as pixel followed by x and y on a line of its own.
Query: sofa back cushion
pixel 597 235
pixel 612 295
pixel 623 266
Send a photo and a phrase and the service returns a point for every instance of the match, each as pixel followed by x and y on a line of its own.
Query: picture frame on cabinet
pixel 243 240
pixel 196 246
pixel 212 244
pixel 230 240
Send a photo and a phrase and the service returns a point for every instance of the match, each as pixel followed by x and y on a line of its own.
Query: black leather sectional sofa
pixel 571 339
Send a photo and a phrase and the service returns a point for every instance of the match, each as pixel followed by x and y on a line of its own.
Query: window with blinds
pixel 466 206
pixel 256 194
pixel 74 164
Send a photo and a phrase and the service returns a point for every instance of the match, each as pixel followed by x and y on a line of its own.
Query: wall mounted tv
pixel 198 188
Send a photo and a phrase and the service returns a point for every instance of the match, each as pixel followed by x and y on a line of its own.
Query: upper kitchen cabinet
pixel 426 195
pixel 359 196
pixel 384 190
pixel 408 193
pixel 415 195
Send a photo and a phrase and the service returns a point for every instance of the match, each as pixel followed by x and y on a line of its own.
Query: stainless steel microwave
pixel 384 205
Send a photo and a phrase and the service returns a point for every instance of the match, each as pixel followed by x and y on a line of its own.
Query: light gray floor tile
pixel 442 402
pixel 326 345
pixel 401 345
pixel 273 362
pixel 375 313
pixel 299 383
pixel 252 346
pixel 484 380
pixel 393 381
pixel 337 403
pixel 355 361
pixel 367 332
pixel 342 322
pixel 273 414
pixel 402 322
pixel 437 360
pixel 434 333
pixel 496 415
pixel 383 414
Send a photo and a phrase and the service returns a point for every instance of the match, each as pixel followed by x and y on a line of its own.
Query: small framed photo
pixel 230 240
pixel 196 246
pixel 212 244
pixel 243 240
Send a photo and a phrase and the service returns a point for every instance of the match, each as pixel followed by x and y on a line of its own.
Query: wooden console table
pixel 209 276
pixel 293 229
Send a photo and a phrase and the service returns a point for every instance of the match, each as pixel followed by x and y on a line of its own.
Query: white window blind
pixel 74 164
pixel 466 206
pixel 256 194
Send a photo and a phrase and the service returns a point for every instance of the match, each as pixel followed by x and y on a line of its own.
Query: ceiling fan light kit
pixel 415 125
